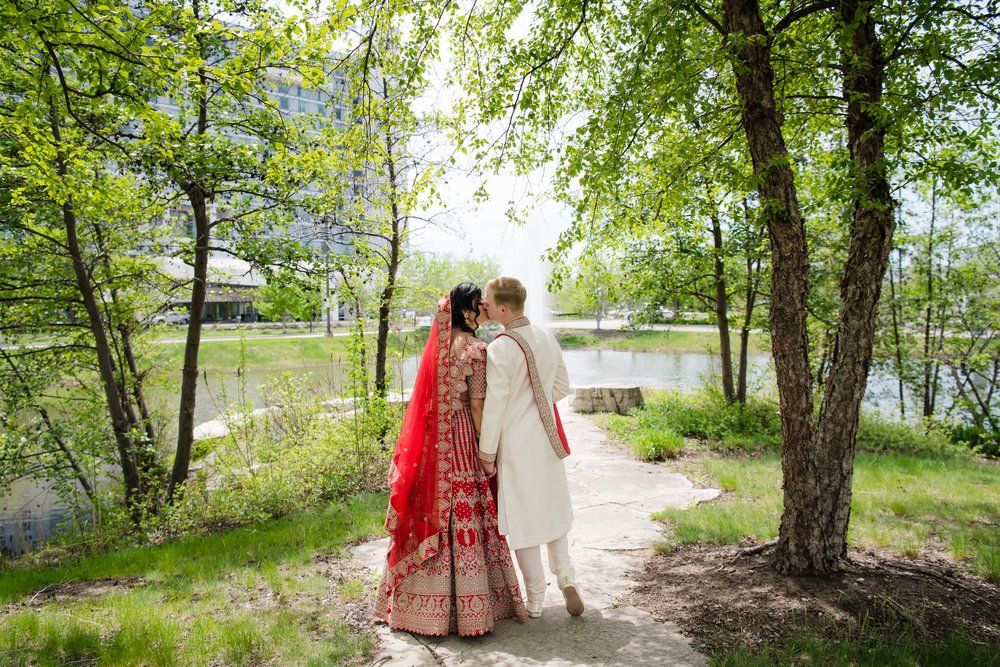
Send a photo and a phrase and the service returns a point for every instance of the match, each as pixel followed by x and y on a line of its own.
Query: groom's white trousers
pixel 529 559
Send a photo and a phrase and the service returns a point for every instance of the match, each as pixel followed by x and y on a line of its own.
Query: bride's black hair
pixel 465 296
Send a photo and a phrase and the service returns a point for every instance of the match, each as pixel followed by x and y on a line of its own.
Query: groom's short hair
pixel 508 291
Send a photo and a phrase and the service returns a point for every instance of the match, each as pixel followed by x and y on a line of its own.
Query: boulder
pixel 607 398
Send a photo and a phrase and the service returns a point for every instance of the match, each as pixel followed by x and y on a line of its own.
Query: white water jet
pixel 521 258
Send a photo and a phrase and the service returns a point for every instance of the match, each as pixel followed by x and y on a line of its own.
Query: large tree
pixel 70 92
pixel 114 112
pixel 848 79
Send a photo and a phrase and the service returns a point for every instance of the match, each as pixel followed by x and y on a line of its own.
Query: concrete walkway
pixel 613 496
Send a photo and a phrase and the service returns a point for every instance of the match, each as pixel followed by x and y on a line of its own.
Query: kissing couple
pixel 478 471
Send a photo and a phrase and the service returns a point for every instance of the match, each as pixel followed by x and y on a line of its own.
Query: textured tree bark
pixel 198 198
pixel 722 312
pixel 864 271
pixel 392 267
pixel 189 373
pixel 800 535
pixel 120 425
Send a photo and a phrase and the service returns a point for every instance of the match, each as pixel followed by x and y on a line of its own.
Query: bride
pixel 448 569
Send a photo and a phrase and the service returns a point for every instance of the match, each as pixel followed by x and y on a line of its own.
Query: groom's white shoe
pixel 534 608
pixel 534 604
pixel 574 603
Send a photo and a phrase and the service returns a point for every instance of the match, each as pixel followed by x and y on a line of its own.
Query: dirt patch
pixel 727 597
pixel 355 587
pixel 73 590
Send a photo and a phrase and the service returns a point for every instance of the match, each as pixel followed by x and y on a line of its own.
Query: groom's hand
pixel 489 468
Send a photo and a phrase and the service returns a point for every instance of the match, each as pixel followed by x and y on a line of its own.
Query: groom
pixel 525 374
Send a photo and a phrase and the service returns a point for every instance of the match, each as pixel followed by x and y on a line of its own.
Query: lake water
pixel 31 512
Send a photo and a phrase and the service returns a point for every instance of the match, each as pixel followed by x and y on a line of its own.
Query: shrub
pixel 882 435
pixel 648 439
pixel 706 415
pixel 756 426
pixel 977 439
pixel 657 445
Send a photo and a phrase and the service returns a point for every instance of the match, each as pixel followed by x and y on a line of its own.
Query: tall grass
pixel 247 597
pixel 290 539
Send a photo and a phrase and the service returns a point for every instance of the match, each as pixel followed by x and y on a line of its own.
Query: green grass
pixel 264 354
pixel 261 353
pixel 647 441
pixel 898 650
pixel 908 504
pixel 653 341
pixel 245 597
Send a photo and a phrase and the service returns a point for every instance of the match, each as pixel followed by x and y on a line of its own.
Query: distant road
pixel 251 336
pixel 617 324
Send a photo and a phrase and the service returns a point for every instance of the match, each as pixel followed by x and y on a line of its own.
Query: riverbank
pixel 675 340
pixel 277 353
pixel 283 592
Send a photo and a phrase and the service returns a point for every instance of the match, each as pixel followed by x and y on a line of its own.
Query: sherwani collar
pixel 519 322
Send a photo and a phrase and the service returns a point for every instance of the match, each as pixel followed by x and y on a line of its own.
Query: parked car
pixel 651 315
pixel 172 317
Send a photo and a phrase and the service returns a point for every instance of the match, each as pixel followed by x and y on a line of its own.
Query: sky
pixel 482 229
pixel 473 229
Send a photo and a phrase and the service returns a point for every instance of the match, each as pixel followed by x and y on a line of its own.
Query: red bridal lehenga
pixel 447 569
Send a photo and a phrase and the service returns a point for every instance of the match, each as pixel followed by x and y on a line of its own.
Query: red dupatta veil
pixel 420 475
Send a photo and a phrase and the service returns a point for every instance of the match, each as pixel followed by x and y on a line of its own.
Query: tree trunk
pixel 722 311
pixel 392 268
pixel 150 471
pixel 119 420
pixel 894 307
pixel 864 271
pixel 801 536
pixel 198 198
pixel 928 398
pixel 192 344
pixel 751 302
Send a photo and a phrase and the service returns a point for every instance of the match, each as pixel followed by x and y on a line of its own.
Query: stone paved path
pixel 613 496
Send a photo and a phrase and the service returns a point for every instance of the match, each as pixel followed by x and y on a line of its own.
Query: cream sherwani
pixel 533 506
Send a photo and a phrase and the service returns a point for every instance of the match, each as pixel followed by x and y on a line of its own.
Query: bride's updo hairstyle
pixel 464 297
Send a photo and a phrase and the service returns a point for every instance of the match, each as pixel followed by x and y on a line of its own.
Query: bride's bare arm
pixel 476 406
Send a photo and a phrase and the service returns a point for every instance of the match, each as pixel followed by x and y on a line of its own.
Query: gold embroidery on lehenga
pixel 462 579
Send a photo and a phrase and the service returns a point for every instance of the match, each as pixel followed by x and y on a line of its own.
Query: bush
pixel 647 439
pixel 706 415
pixel 883 435
pixel 756 426
pixel 977 439
pixel 657 445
